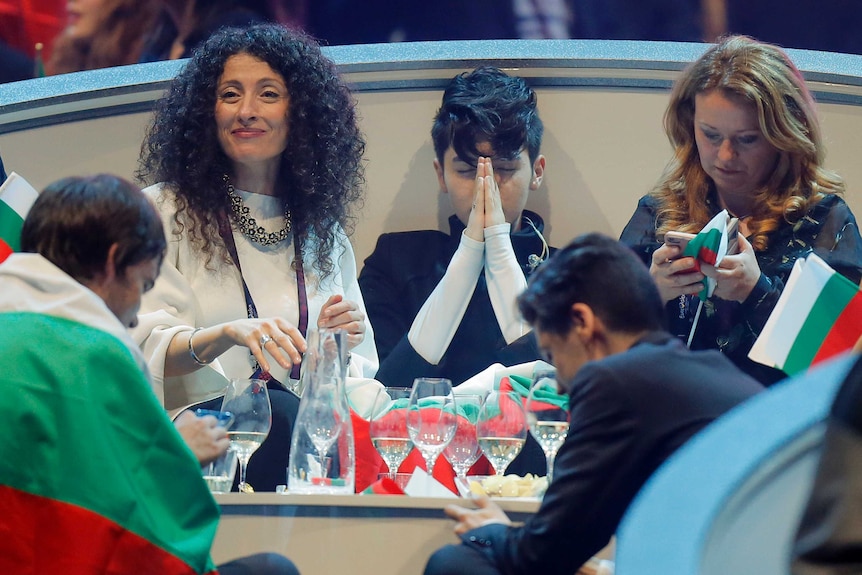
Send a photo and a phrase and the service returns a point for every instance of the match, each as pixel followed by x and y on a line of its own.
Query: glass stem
pixel 550 457
pixel 430 460
pixel 243 463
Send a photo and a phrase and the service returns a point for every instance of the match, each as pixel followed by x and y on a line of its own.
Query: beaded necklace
pixel 248 225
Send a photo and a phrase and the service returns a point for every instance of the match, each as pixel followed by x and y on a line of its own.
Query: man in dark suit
pixel 636 394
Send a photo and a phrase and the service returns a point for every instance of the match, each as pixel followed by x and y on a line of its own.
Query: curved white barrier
pixel 601 101
pixel 730 500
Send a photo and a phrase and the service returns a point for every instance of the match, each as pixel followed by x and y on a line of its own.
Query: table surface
pixel 380 534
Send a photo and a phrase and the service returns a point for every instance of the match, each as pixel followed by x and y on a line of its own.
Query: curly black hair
pixel 322 173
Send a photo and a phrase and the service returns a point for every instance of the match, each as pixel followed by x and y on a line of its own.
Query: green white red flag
pixel 709 247
pixel 94 478
pixel 818 315
pixel 16 198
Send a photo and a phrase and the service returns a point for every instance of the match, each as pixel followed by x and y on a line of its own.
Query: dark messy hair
pixel 487 105
pixel 75 221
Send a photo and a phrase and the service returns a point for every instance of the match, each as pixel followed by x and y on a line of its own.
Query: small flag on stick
pixel 709 247
pixel 39 62
pixel 818 315
pixel 16 198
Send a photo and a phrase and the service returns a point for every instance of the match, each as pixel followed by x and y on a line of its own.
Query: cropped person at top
pixel 182 25
pixel 79 460
pixel 258 158
pixel 443 304
pixel 746 139
pixel 101 34
pixel 636 394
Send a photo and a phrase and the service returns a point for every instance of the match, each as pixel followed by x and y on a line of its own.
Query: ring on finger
pixel 264 339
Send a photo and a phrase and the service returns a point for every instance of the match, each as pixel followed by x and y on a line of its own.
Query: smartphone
pixel 680 239
pixel 732 236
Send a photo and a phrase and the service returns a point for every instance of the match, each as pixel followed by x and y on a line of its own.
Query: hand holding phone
pixel 679 239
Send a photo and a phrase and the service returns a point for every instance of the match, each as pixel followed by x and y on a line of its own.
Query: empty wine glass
pixel 463 451
pixel 502 428
pixel 248 401
pixel 323 422
pixel 431 419
pixel 548 416
pixel 388 426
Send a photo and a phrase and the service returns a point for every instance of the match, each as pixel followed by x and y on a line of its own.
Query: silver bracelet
pixel 192 353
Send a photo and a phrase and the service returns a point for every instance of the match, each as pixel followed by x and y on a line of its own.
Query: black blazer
pixel 629 413
pixel 399 276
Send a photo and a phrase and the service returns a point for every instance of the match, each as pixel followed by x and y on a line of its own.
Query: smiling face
pixel 516 177
pixel 733 151
pixel 251 113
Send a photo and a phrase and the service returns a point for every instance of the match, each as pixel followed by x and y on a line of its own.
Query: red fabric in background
pixel 23 23
pixel 369 464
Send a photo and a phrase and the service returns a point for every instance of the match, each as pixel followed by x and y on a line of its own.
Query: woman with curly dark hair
pixel 746 139
pixel 258 159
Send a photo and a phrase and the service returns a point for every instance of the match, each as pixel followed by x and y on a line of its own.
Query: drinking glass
pixel 431 419
pixel 502 428
pixel 323 421
pixel 248 401
pixel 548 416
pixel 463 451
pixel 388 426
pixel 219 473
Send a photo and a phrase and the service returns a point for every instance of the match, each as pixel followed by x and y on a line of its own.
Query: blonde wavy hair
pixel 763 75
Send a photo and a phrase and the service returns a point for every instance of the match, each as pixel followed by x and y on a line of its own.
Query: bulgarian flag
pixel 94 478
pixel 16 197
pixel 709 247
pixel 818 315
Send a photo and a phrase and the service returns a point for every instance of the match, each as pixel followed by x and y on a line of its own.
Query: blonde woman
pixel 746 139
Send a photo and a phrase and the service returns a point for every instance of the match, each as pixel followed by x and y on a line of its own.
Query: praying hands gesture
pixel 487 207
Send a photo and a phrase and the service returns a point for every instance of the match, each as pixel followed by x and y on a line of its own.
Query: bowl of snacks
pixel 500 486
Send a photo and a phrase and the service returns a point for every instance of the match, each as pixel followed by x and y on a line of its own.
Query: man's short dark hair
pixel 487 105
pixel 599 271
pixel 76 220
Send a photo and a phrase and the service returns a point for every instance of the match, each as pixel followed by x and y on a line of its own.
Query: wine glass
pixel 548 416
pixel 431 418
pixel 248 401
pixel 324 421
pixel 502 428
pixel 388 426
pixel 463 451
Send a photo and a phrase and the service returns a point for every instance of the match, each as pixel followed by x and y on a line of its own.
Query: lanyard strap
pixel 227 236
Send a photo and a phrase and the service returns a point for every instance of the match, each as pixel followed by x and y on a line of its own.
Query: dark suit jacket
pixel 629 413
pixel 399 276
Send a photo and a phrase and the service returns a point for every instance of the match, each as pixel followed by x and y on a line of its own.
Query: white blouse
pixel 190 294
